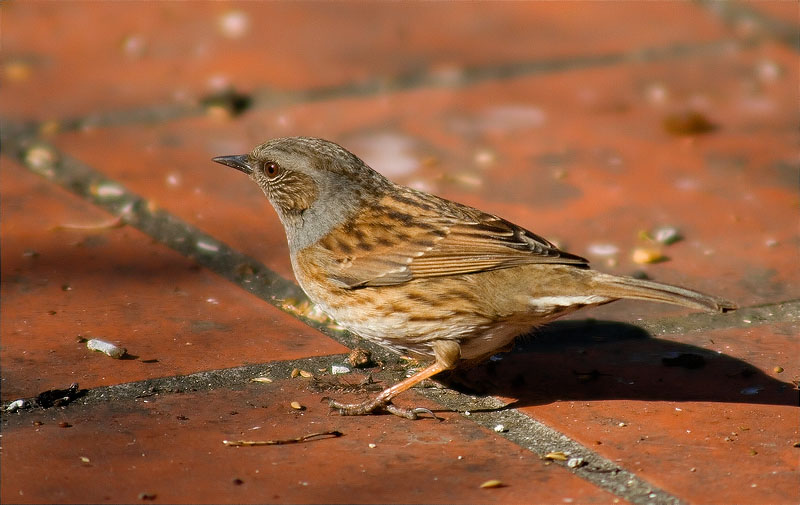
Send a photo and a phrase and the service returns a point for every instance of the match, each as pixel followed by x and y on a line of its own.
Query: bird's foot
pixel 377 404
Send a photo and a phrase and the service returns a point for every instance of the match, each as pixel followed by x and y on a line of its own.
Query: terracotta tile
pixel 171 447
pixel 704 416
pixel 119 286
pixel 176 53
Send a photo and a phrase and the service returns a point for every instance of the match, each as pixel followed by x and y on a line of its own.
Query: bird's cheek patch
pixel 301 191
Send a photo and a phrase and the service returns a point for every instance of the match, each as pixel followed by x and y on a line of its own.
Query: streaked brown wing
pixel 416 235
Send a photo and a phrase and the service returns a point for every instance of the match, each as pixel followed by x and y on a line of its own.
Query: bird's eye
pixel 272 169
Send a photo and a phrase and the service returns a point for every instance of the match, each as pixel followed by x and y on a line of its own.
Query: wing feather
pixel 426 236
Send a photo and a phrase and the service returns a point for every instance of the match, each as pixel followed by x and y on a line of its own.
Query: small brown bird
pixel 420 274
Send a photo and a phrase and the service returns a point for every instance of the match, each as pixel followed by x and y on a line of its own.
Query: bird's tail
pixel 639 289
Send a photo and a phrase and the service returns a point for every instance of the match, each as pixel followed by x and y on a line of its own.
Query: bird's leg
pixel 447 355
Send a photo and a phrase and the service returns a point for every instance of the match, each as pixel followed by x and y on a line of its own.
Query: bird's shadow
pixel 604 360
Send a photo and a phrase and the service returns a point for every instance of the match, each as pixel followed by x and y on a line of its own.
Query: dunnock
pixel 420 274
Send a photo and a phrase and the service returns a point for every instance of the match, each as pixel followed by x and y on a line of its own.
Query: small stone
pixel 575 462
pixel 41 159
pixel 778 369
pixel 603 249
pixel 16 405
pixel 106 348
pixel 667 235
pixel 339 369
pixel 499 428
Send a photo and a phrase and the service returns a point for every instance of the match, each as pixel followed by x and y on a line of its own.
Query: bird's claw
pixel 370 406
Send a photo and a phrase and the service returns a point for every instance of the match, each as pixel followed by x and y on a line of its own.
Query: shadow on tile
pixel 604 360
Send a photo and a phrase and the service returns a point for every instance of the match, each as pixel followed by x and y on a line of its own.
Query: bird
pixel 418 274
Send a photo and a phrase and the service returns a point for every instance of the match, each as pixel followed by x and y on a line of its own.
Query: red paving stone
pixel 185 53
pixel 581 156
pixel 171 446
pixel 678 428
pixel 159 305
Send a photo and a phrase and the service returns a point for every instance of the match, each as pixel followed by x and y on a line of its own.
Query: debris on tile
pixel 556 456
pixel 41 159
pixel 304 438
pixel 644 255
pixel 205 244
pixel 770 242
pixel 796 444
pixel 109 224
pixel 106 348
pixel 485 157
pixel 511 117
pixel 752 390
pixel 688 123
pixel 372 446
pixel 360 358
pixel 778 369
pixel 686 360
pixel 603 249
pixel 234 24
pixel 575 462
pixel 66 287
pixel 499 428
pixel 265 380
pixel 297 406
pixel 16 405
pixel 173 179
pixel 667 235
pixel 49 128
pixel 226 104
pixel 657 92
pixel 339 369
pixel 64 424
pixel 58 397
pixel 147 496
pixel 133 45
pixel 238 482
pixel 17 71
pixel 493 483
pixel 769 71
pixel 84 459
pixel 622 424
pixel 106 190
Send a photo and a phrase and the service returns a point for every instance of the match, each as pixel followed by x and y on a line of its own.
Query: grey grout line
pixel 265 98
pixel 739 13
pixel 541 439
pixel 533 435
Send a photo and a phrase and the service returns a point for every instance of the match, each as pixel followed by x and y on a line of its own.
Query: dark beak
pixel 239 162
